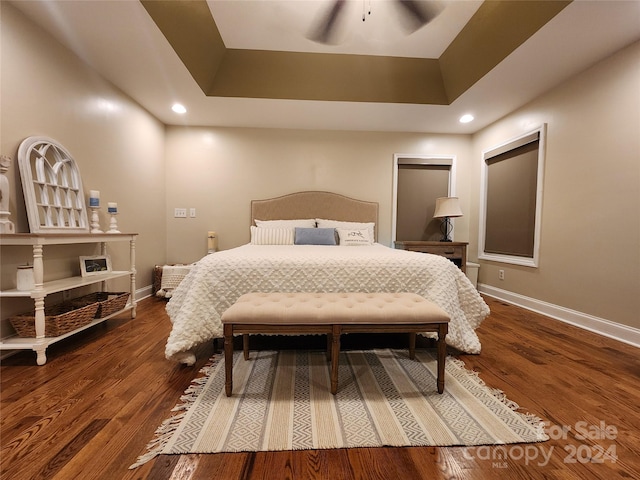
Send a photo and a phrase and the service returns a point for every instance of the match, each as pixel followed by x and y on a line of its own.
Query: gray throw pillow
pixel 315 236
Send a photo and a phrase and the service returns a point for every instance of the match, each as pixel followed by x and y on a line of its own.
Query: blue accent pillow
pixel 315 236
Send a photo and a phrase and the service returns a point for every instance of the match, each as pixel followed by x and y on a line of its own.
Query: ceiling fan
pixel 416 13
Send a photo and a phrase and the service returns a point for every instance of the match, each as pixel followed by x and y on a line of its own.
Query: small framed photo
pixel 95 265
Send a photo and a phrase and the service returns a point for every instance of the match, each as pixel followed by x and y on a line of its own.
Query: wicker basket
pixel 157 278
pixel 59 319
pixel 108 302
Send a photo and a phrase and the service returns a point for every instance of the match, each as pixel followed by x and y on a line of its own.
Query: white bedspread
pixel 216 281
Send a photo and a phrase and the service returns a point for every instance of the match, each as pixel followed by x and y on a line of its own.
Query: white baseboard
pixel 601 326
pixel 144 292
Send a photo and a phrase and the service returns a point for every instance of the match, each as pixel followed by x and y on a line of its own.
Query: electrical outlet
pixel 501 274
pixel 192 212
pixel 180 213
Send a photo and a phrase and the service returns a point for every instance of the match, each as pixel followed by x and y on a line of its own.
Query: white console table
pixel 41 289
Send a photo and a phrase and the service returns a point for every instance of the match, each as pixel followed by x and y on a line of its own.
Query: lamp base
pixel 445 228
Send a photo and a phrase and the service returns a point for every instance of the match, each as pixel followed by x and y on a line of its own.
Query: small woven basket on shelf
pixel 58 320
pixel 108 302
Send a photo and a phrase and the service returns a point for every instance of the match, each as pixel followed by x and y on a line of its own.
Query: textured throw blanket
pixel 216 281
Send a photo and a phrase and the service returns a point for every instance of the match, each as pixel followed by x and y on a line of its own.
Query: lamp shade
pixel 447 207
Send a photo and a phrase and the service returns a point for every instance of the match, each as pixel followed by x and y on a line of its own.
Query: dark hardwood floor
pixel 90 411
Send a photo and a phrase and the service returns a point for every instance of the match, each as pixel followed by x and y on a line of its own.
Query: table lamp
pixel 446 208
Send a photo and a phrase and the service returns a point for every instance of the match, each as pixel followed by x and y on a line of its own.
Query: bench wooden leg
pixel 228 359
pixel 412 345
pixel 335 354
pixel 442 354
pixel 245 345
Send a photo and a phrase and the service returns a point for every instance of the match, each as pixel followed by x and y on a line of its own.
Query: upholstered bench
pixel 333 314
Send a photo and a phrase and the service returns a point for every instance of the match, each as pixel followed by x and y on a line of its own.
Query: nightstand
pixel 454 251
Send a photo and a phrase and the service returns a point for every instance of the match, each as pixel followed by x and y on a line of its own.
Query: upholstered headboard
pixel 313 204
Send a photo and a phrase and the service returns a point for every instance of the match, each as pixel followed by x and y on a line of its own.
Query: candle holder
pixel 95 221
pixel 113 224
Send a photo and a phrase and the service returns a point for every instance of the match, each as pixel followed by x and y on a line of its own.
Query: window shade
pixel 511 200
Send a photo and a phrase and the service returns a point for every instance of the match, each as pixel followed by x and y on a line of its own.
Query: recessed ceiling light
pixel 179 108
pixel 466 118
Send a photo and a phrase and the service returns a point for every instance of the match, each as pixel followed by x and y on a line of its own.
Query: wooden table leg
pixel 228 359
pixel 335 354
pixel 442 354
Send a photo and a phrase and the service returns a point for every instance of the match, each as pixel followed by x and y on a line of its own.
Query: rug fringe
pixel 535 422
pixel 163 433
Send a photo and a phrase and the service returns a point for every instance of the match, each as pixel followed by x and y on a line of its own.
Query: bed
pixel 271 263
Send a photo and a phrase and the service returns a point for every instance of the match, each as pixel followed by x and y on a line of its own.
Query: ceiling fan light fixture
pixel 414 15
pixel 466 118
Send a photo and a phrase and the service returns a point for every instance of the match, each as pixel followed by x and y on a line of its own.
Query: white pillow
pixel 301 223
pixel 354 238
pixel 323 223
pixel 272 236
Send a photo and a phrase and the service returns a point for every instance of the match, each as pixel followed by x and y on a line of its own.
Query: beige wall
pixel 219 171
pixel 118 146
pixel 590 245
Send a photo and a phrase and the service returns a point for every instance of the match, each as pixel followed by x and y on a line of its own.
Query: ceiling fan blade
pixel 325 29
pixel 417 14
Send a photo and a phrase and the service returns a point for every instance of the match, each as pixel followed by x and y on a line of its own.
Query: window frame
pixel 490 153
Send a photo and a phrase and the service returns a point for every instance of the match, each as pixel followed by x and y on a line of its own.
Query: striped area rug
pixel 281 401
